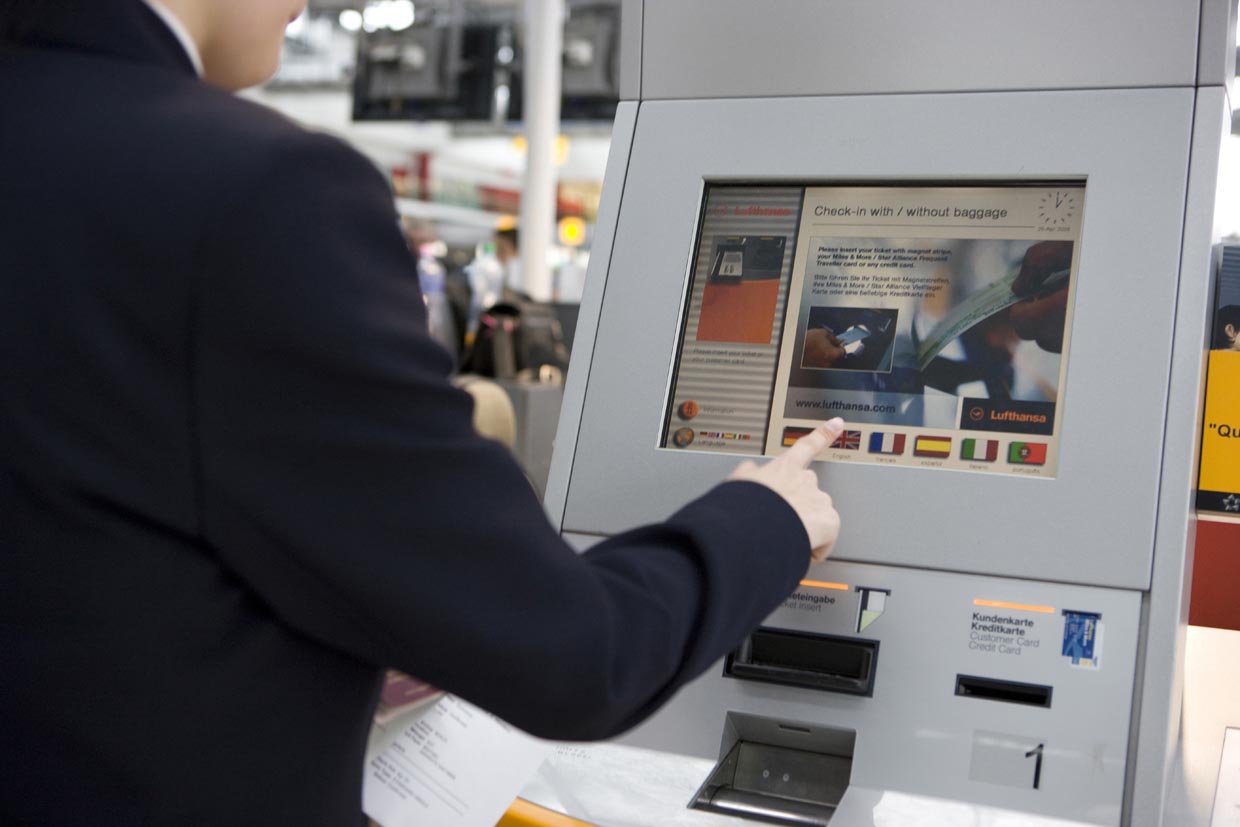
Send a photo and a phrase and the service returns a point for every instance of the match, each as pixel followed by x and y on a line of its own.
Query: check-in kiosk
pixel 982 234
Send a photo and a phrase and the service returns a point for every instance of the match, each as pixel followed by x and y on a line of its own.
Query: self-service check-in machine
pixel 982 234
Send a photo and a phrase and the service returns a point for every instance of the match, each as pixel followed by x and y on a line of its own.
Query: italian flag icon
pixel 980 450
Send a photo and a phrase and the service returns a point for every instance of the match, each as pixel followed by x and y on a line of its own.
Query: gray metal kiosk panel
pixel 1162 688
pixel 737 48
pixel 1094 523
pixel 918 733
pixel 587 326
pixel 1217 53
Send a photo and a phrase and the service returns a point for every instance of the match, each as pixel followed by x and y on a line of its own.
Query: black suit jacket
pixel 235 483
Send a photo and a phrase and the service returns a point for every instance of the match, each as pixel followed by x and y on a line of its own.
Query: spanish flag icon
pixel 932 446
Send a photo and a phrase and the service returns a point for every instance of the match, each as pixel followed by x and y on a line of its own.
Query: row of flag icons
pixel 933 447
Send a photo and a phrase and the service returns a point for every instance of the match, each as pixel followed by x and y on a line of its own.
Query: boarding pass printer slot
pixel 779 772
pixel 824 662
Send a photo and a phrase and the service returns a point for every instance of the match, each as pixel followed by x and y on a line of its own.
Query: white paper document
pixel 449 764
pixel 1227 796
pixel 623 786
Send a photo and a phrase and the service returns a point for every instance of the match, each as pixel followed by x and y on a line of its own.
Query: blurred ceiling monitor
pixel 591 62
pixel 438 69
pixel 463 64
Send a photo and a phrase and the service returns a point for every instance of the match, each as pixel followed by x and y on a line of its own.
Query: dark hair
pixel 511 235
pixel 1227 315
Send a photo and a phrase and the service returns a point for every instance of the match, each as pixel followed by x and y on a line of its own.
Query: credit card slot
pixel 1012 692
pixel 823 662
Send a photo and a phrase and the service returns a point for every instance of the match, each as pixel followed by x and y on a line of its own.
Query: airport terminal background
pixel 454 151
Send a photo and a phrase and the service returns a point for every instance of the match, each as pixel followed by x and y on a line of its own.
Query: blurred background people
pixel 1227 328
pixel 432 277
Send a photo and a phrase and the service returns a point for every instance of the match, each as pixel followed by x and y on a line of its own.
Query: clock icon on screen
pixel 1057 208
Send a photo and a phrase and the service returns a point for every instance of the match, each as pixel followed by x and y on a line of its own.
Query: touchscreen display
pixel 935 319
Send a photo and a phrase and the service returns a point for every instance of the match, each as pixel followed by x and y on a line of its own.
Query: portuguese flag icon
pixel 980 450
pixel 1027 453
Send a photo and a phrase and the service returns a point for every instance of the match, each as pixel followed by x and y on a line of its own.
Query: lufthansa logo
pixel 977 414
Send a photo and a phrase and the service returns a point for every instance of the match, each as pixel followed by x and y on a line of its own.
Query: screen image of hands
pixel 1041 316
pixel 789 475
pixel 823 349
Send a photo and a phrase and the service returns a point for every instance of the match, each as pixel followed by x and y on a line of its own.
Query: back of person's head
pixel 418 232
pixel 508 237
pixel 238 40
pixel 1228 316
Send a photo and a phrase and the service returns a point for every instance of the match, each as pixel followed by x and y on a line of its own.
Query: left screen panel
pixel 729 344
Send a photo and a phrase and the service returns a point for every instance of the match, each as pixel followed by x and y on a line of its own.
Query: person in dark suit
pixel 235 482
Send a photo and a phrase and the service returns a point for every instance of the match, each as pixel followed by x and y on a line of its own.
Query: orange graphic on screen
pixel 738 304
pixel 742 312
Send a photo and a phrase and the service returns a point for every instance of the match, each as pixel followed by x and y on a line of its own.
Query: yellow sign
pixel 572 231
pixel 1219 485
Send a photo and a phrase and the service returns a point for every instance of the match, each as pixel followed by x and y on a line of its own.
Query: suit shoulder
pixel 253 138
pixel 264 179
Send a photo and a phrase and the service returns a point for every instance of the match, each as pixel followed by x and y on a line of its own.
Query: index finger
pixel 803 451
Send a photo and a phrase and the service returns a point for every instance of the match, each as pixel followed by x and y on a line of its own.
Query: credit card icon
pixel 1082 638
